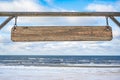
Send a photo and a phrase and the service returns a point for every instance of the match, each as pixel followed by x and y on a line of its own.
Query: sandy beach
pixel 58 73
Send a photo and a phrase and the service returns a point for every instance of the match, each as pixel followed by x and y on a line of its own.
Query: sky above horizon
pixel 7 47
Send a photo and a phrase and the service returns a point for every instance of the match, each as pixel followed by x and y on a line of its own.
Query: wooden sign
pixel 61 33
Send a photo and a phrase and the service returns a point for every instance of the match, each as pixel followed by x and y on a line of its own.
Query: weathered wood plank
pixel 115 20
pixel 6 21
pixel 60 14
pixel 61 33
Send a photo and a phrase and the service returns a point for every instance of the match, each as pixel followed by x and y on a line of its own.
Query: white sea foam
pixel 58 73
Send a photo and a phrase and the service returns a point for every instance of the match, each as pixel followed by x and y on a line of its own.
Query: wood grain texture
pixel 61 33
pixel 60 14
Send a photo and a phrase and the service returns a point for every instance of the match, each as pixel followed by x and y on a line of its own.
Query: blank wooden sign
pixel 61 33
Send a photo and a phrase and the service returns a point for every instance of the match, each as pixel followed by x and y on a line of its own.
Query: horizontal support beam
pixel 115 20
pixel 61 33
pixel 59 13
pixel 6 21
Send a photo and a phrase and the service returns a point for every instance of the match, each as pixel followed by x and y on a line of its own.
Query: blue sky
pixel 7 47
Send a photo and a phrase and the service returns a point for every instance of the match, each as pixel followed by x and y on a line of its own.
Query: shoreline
pixel 77 66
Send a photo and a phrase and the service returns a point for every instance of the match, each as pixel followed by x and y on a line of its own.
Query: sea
pixel 48 60
pixel 37 67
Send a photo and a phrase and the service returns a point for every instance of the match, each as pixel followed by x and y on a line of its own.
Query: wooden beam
pixel 59 13
pixel 61 33
pixel 115 20
pixel 6 21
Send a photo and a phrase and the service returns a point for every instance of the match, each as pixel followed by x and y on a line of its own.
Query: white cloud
pixel 60 45
pixel 20 5
pixel 47 48
pixel 100 8
pixel 1 38
pixel 20 46
pixel 61 48
pixel 116 33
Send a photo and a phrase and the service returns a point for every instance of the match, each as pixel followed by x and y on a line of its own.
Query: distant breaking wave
pixel 61 61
